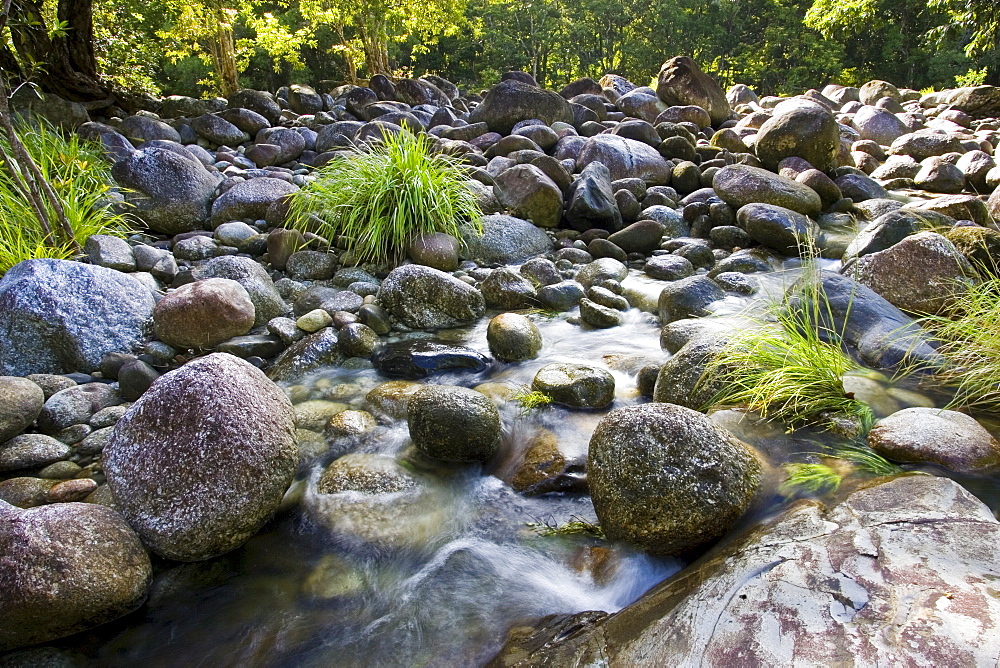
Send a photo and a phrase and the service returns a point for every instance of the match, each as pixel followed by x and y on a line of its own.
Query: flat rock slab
pixel 900 573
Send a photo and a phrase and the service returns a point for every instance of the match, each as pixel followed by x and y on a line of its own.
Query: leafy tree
pixel 978 23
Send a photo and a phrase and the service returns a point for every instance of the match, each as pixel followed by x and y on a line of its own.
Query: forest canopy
pixel 86 49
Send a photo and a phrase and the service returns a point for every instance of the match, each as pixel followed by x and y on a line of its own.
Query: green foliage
pixel 839 461
pixel 812 478
pixel 380 200
pixel 81 179
pixel 973 77
pixel 970 340
pixel 576 526
pixel 790 370
pixel 530 399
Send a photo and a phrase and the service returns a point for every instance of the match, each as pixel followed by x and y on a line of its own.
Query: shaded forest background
pixel 205 47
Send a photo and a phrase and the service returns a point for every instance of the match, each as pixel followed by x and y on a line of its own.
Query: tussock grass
pixel 529 399
pixel 576 526
pixel 790 369
pixel 970 340
pixel 842 460
pixel 379 200
pixel 81 180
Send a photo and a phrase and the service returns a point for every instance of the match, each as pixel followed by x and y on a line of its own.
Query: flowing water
pixel 435 577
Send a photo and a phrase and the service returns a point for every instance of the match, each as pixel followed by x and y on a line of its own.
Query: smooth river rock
pixel 426 298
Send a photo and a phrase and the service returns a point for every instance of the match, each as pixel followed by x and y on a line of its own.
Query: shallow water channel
pixel 436 579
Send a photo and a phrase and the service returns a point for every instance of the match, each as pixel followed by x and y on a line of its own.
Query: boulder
pixel 504 288
pixel 426 298
pixel 513 337
pixel 65 568
pixel 504 240
pixel 257 101
pixel 878 125
pixel 802 129
pixel 895 574
pixel 453 424
pixel 591 202
pixel 681 82
pixel 977 101
pixel 21 401
pixel 437 250
pixel 625 158
pixel 510 102
pixel 924 144
pixel 250 199
pixel 58 316
pixel 255 280
pixel 203 314
pixel 527 192
pixel 141 129
pixel 683 379
pixel 873 91
pixel 687 297
pixel 575 385
pixel 668 479
pixel 642 103
pixel 739 185
pixel 418 359
pixel 936 273
pixel 946 438
pixel 784 230
pixel 170 192
pixel 218 130
pixel 201 461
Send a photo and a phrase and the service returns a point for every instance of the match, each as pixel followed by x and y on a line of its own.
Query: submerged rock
pixel 200 462
pixel 667 478
pixel 419 359
pixel 65 568
pixel 899 573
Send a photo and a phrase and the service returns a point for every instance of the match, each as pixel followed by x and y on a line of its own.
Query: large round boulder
pixel 738 185
pixel 879 125
pixel 426 298
pixel 512 337
pixel 65 568
pixel 453 424
pixel 510 102
pixel 803 129
pixel 504 240
pixel 668 479
pixel 58 316
pixel 169 191
pixel 949 439
pixel 201 461
pixel 625 158
pixel 203 314
pixel 681 82
pixel 575 385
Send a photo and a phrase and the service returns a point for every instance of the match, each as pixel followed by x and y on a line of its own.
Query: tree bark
pixel 223 50
pixel 67 65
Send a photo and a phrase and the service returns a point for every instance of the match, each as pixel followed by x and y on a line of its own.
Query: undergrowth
pixel 379 200
pixel 81 180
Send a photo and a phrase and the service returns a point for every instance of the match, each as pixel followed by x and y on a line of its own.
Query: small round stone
pixel 513 337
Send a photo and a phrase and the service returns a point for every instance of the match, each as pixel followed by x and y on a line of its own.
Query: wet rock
pixel 682 82
pixel 683 379
pixel 426 298
pixel 949 439
pixel 546 469
pixel 506 289
pixel 561 296
pixel 505 240
pixel 392 398
pixel 350 423
pixel 602 269
pixel 453 424
pixel 58 316
pixel 667 479
pixel 802 129
pixel 309 353
pixel 66 568
pixel 591 202
pixel 513 337
pixel 365 473
pixel 438 250
pixel 776 227
pixel 510 102
pixel 936 273
pixel 575 385
pixel 314 414
pixel 866 575
pixel 254 279
pixel 21 401
pixel 739 185
pixel 527 192
pixel 203 314
pixel 625 158
pixel 668 267
pixel 597 315
pixel 201 461
pixel 170 192
pixel 419 359
pixel 358 340
pixel 687 297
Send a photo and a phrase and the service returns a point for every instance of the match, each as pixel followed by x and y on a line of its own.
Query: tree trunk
pixel 375 43
pixel 223 50
pixel 68 65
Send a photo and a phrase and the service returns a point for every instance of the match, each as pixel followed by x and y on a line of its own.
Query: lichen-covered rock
pixel 784 230
pixel 58 316
pixel 203 314
pixel 20 403
pixel 683 379
pixel 65 568
pixel 899 573
pixel 504 240
pixel 426 298
pixel 575 385
pixel 453 424
pixel 513 337
pixel 171 192
pixel 201 461
pixel 526 191
pixel 947 438
pixel 667 479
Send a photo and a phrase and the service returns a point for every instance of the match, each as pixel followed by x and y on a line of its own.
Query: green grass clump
pixel 842 459
pixel 812 478
pixel 970 340
pixel 789 371
pixel 81 180
pixel 529 399
pixel 380 200
pixel 576 526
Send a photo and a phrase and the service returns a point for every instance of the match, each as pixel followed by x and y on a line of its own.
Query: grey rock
pixel 668 267
pixel 250 199
pixel 437 250
pixel 510 102
pixel 506 289
pixel 67 567
pixel 30 451
pixel 21 401
pixel 194 471
pixel 782 229
pixel 453 424
pixel 58 316
pixel 878 125
pixel 218 130
pixel 111 252
pixel 625 158
pixel 687 297
pixel 419 359
pixel 75 405
pixel 257 101
pixel 683 380
pixel 602 269
pixel 527 192
pixel 924 144
pixel 170 193
pixel 426 298
pixel 575 385
pixel 561 296
pixel 591 202
pixel 504 240
pixel 739 185
pixel 142 128
pixel 801 129
pixel 308 354
pixel 946 438
pixel 598 315
pixel 642 103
